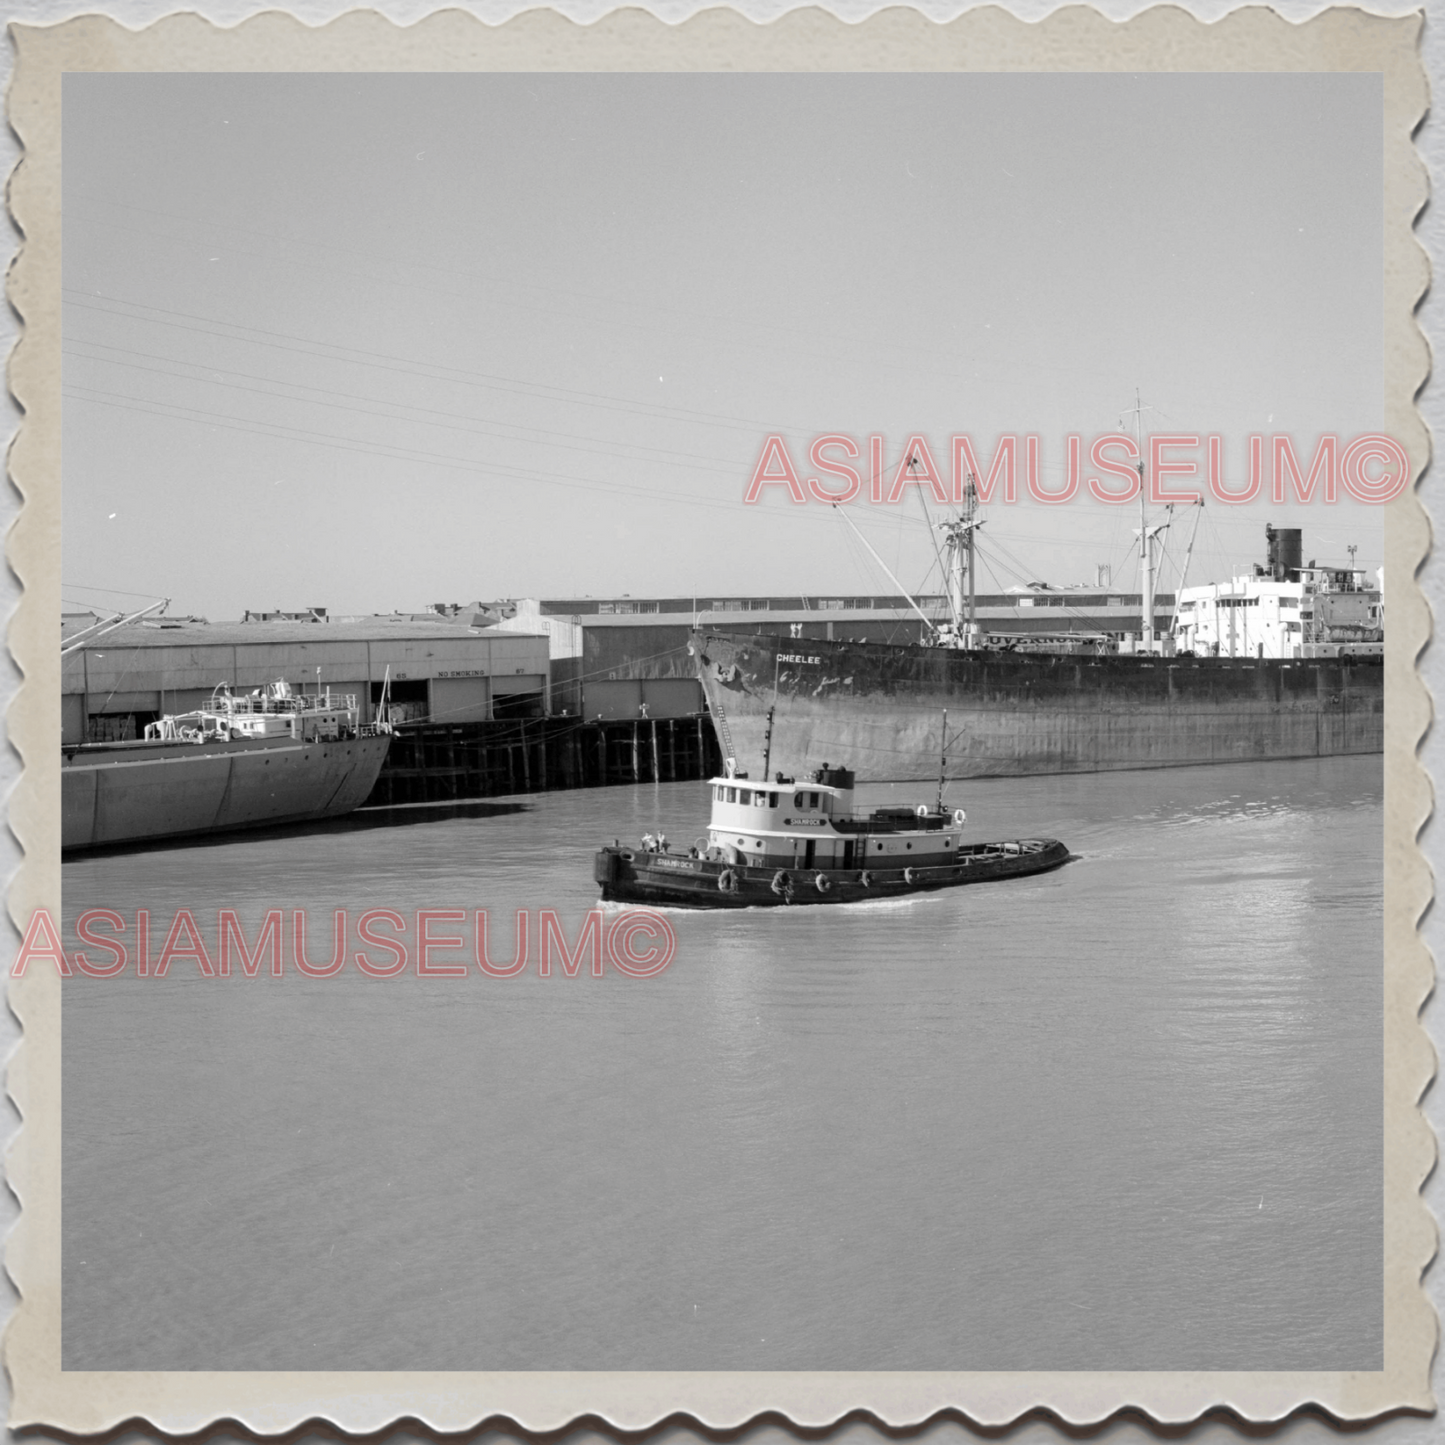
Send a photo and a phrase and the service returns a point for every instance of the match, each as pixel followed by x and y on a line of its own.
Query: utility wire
pixel 280 432
pixel 385 361
pixel 683 459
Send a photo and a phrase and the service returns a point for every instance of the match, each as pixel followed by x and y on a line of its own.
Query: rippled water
pixel 1122 1116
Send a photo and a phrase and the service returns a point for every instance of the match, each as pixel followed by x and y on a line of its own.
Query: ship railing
pixel 874 823
pixel 259 703
pixel 266 701
pixel 258 706
pixel 329 702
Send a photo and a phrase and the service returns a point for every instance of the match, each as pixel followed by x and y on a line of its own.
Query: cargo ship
pixel 1285 663
pixel 251 760
pixel 787 841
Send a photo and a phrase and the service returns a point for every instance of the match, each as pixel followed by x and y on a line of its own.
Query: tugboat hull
pixel 671 880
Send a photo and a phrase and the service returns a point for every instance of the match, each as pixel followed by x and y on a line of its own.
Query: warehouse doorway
pixel 519 704
pixel 118 727
pixel 407 700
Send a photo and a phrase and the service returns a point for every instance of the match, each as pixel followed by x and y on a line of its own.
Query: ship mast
pixel 959 539
pixel 1147 534
pixel 970 509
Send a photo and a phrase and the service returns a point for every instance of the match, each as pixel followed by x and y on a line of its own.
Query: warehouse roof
pixel 165 633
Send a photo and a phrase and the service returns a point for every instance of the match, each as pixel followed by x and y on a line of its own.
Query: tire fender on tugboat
pixel 910 875
pixel 780 882
pixel 822 882
pixel 866 878
pixel 727 881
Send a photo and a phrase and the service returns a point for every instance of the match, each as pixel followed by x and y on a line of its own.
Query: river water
pixel 1122 1116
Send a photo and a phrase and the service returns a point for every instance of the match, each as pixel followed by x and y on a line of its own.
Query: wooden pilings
pixel 445 762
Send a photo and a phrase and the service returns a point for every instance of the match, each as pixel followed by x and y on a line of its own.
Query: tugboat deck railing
pixel 874 823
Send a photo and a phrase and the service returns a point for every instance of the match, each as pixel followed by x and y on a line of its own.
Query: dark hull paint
pixel 878 709
pixel 134 792
pixel 669 880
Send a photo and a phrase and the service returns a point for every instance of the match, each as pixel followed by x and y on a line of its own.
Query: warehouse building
pixel 434 671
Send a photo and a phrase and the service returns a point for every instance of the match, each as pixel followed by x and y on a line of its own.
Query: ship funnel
pixel 1285 550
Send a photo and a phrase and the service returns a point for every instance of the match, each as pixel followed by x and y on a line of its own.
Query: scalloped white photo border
pixel 987 39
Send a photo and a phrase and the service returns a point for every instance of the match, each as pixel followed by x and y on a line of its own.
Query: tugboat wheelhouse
pixel 814 824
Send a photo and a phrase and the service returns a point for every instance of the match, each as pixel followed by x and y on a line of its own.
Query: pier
pixel 445 762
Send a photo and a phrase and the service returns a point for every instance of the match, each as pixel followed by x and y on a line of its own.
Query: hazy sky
pixel 377 341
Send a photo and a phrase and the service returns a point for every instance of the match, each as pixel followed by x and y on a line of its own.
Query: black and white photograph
pixel 724 722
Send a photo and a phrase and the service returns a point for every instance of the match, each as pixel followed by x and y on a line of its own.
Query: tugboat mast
pixel 942 763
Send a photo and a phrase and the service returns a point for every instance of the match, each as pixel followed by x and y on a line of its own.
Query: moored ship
pixel 267 757
pixel 1287 663
pixel 790 841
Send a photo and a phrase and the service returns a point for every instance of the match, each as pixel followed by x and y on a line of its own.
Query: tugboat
pixel 770 844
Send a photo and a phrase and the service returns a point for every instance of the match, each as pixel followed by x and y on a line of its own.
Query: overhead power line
pixel 281 432
pixel 398 410
pixel 385 361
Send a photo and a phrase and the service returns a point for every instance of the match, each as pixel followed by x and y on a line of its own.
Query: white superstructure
pixel 1313 612
pixel 812 823
pixel 273 711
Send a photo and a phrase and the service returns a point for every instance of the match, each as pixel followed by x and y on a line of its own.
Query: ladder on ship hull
pixel 720 722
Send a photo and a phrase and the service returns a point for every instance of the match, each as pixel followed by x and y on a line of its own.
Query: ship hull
pixel 144 791
pixel 667 880
pixel 878 709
